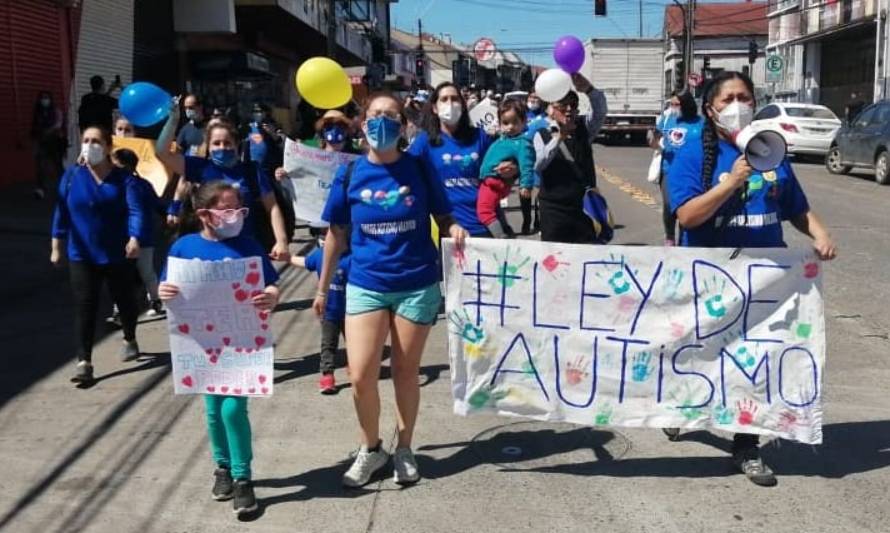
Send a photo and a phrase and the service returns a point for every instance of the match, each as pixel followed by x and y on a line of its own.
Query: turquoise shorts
pixel 420 306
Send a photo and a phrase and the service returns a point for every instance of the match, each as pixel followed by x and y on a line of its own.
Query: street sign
pixel 775 64
pixel 694 79
pixel 484 49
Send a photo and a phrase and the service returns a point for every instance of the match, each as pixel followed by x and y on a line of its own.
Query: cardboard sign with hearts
pixel 220 343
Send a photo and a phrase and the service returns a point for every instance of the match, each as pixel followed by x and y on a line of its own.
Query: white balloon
pixel 553 84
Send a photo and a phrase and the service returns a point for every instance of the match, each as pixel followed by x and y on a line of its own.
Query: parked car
pixel 864 143
pixel 807 129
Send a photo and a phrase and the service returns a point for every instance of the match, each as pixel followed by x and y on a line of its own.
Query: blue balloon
pixel 145 104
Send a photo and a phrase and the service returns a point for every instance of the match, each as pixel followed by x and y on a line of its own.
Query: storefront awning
pixel 832 31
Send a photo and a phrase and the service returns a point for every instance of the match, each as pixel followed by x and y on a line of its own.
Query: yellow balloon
pixel 323 83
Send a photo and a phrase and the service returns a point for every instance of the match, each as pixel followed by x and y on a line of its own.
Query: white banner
pixel 485 115
pixel 638 336
pixel 311 171
pixel 219 342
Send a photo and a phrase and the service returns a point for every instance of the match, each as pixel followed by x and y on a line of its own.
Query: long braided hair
pixel 709 135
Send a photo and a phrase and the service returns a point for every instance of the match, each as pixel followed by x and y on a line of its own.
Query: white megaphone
pixel 764 150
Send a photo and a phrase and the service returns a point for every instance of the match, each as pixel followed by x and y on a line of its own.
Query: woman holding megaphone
pixel 721 201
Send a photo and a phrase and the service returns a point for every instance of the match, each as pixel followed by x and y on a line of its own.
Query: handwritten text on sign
pixel 220 343
pixel 311 172
pixel 638 336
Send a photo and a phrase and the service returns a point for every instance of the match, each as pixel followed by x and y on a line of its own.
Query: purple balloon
pixel 569 54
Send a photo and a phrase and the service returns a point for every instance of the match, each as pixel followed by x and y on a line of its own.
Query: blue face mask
pixel 224 157
pixel 383 133
pixel 334 135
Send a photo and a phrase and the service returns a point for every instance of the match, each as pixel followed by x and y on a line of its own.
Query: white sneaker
pixel 365 465
pixel 404 467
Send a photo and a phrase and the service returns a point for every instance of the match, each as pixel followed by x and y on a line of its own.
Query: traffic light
pixel 752 52
pixel 599 8
pixel 419 64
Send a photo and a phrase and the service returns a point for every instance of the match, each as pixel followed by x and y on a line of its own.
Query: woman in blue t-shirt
pixel 381 205
pixel 455 149
pixel 721 201
pixel 100 213
pixel 679 125
pixel 222 163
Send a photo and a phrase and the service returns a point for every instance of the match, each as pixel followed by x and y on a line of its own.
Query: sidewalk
pixel 128 455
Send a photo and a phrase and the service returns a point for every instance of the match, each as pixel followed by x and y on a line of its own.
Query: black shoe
pixel 526 229
pixel 673 434
pixel 245 501
pixel 749 462
pixel 223 485
pixel 83 373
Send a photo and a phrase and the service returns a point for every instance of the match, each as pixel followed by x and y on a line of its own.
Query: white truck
pixel 631 73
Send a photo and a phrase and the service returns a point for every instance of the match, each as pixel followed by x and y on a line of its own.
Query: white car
pixel 807 129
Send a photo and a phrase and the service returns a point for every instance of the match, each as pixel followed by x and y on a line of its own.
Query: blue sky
pixel 528 27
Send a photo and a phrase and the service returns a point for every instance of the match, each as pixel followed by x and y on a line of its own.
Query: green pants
pixel 229 431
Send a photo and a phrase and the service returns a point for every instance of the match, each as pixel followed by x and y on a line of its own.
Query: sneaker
pixel 404 467
pixel 670 242
pixel 673 434
pixel 365 465
pixel 83 372
pixel 129 351
pixel 327 384
pixel 244 500
pixel 156 308
pixel 223 486
pixel 749 462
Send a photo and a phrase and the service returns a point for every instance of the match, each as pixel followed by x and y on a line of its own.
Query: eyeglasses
pixel 227 215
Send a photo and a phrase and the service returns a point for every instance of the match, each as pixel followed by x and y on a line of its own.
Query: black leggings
pixel 330 343
pixel 527 205
pixel 668 218
pixel 86 281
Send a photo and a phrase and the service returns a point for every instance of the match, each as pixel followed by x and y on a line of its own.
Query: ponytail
pixel 709 149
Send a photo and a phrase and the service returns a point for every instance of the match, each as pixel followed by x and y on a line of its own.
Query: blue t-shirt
pixel 98 219
pixel 676 132
pixel 389 208
pixel 200 170
pixel 770 198
pixel 196 246
pixel 458 167
pixel 335 309
pixel 257 144
pixel 151 206
pixel 190 139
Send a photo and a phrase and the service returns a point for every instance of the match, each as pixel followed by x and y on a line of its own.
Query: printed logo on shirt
pixel 770 176
pixel 193 150
pixel 462 182
pixel 678 136
pixel 464 161
pixel 389 228
pixel 387 199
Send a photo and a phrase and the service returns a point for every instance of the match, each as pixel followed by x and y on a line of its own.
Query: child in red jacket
pixel 511 146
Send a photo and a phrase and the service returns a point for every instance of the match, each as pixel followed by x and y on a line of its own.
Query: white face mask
pixel 227 229
pixel 93 153
pixel 449 114
pixel 734 117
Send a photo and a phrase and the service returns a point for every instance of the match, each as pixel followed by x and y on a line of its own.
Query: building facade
pixel 830 50
pixel 722 39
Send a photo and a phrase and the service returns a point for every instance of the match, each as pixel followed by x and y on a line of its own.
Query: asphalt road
pixel 128 455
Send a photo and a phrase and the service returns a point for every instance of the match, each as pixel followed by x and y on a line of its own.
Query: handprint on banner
pixel 575 371
pixel 507 270
pixel 672 282
pixel 552 264
pixel 713 293
pixel 747 411
pixel 686 404
pixel 485 397
pixel 723 415
pixel 473 336
pixel 787 421
pixel 617 280
pixel 642 367
pixel 744 357
pixel 603 415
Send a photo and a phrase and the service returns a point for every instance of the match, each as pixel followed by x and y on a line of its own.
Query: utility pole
pixel 419 34
pixel 332 30
pixel 690 35
pixel 641 19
